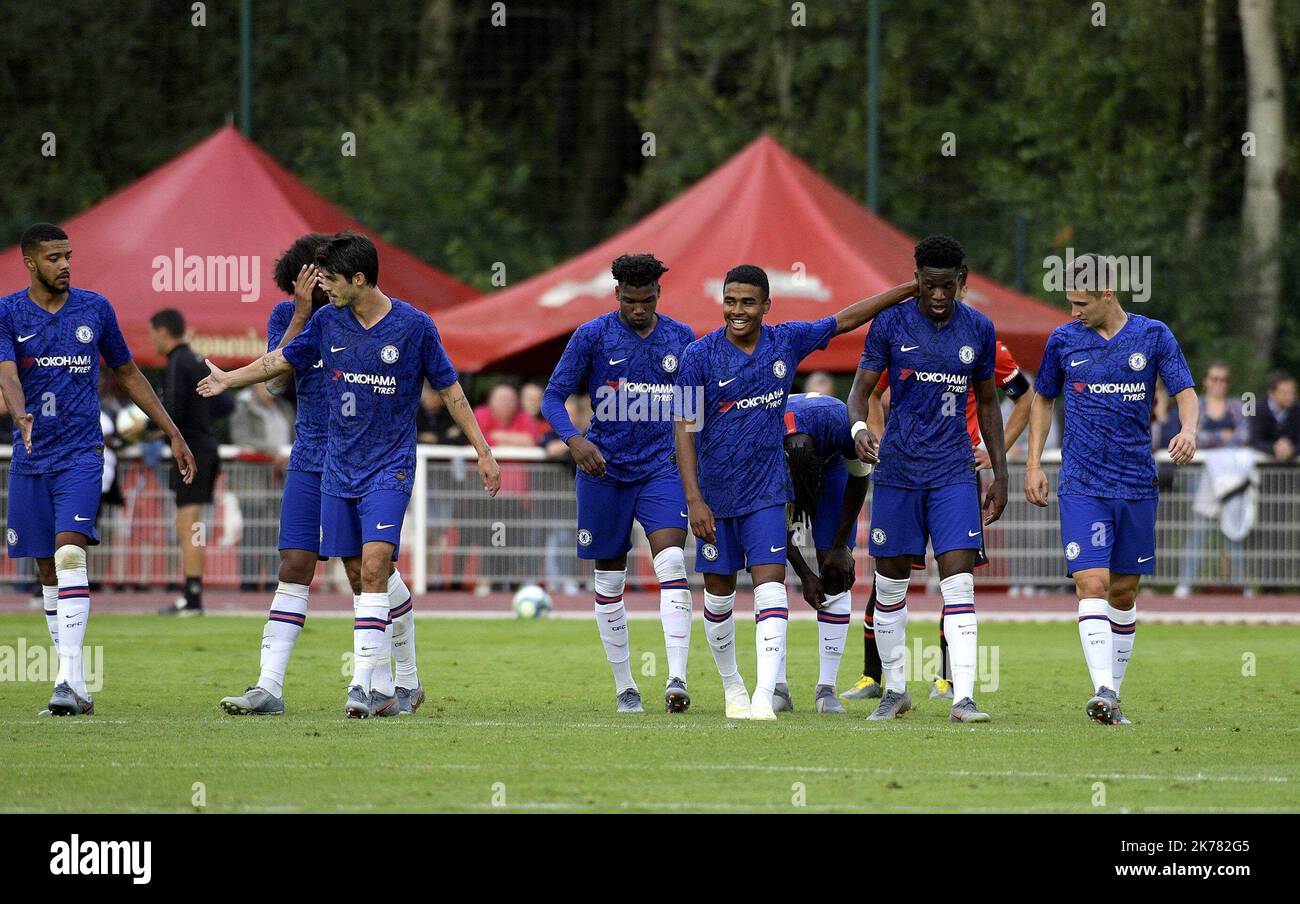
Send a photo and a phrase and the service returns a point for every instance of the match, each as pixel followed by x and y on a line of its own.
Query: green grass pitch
pixel 520 717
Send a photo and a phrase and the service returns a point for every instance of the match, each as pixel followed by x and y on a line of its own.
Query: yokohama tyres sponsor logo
pixel 632 387
pixel 773 399
pixel 382 383
pixel 956 382
pixel 76 364
pixel 1110 388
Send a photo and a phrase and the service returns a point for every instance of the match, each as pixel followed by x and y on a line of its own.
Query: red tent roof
pixel 821 249
pixel 224 199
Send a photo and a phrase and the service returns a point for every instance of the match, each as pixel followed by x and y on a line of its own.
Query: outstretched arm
pixel 267 367
pixel 858 313
pixel 141 392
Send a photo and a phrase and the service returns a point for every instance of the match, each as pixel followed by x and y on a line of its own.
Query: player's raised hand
pixel 490 473
pixel 215 383
pixel 995 500
pixel 184 458
pixel 701 517
pixel 868 446
pixel 25 423
pixel 586 456
pixel 1036 486
pixel 1182 448
pixel 304 287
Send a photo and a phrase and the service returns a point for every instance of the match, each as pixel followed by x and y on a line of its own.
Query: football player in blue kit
pixel 731 395
pixel 376 353
pixel 1105 362
pixel 296 274
pixel 52 335
pixel 830 485
pixel 627 361
pixel 935 349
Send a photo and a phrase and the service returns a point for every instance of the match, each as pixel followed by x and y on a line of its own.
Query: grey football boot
pixel 629 701
pixel 67 702
pixel 382 705
pixel 676 697
pixel 358 705
pixel 892 705
pixel 1102 706
pixel 825 700
pixel 256 701
pixel 782 702
pixel 965 710
pixel 408 701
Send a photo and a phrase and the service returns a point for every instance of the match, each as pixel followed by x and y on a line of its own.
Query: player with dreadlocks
pixel 830 485
pixel 936 350
pixel 627 361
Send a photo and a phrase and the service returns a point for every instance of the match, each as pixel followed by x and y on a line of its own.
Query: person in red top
pixel 1008 377
pixel 504 422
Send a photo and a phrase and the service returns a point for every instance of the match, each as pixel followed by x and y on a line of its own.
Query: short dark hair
pixel 1094 274
pixel 169 319
pixel 638 270
pixel 942 252
pixel 748 274
pixel 298 255
pixel 36 233
pixel 1276 379
pixel 348 253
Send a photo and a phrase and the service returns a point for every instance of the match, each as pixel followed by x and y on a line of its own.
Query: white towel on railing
pixel 1228 490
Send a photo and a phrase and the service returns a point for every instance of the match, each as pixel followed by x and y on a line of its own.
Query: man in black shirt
pixel 193 415
pixel 1275 430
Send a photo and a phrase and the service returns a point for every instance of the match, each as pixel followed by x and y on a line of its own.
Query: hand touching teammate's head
pixel 298 255
pixel 940 274
pixel 636 286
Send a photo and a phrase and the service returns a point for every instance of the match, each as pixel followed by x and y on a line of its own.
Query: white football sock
pixel 771 617
pixel 890 625
pixel 1094 636
pixel 369 636
pixel 382 676
pixel 1123 625
pixel 283 625
pixel 961 632
pixel 402 612
pixel 611 619
pixel 833 630
pixel 674 608
pixel 74 612
pixel 720 629
pixel 51 595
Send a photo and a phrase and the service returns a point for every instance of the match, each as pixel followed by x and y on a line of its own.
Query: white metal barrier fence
pixel 455 536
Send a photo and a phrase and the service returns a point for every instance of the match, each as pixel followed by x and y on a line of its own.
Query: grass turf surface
pixel 524 711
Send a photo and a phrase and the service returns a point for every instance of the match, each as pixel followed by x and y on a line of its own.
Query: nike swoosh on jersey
pixel 79 518
pixel 619 361
pixel 1147 559
pixel 775 548
pixel 339 349
pixel 25 338
pixel 383 526
pixel 907 348
pixel 1077 363
pixel 975 534
pixel 725 382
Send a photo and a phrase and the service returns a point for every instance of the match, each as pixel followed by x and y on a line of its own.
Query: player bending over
pixel 376 353
pixel 627 361
pixel 1011 380
pixel 1106 362
pixel 830 485
pixel 297 275
pixel 936 349
pixel 51 338
pixel 732 392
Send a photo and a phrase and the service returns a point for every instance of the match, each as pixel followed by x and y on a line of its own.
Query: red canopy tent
pixel 201 234
pixel 821 249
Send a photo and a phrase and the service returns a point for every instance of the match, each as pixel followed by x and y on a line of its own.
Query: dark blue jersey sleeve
pixel 1048 382
pixel 1171 365
pixel 435 364
pixel 112 345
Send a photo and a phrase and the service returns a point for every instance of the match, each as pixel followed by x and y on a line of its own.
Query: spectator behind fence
pixel 1275 428
pixel 1223 426
pixel 505 424
pixel 434 424
pixel 264 426
pixel 820 381
pixel 530 400
pixel 194 416
pixel 559 565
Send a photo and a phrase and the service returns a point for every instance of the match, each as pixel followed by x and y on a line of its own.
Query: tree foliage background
pixel 523 143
